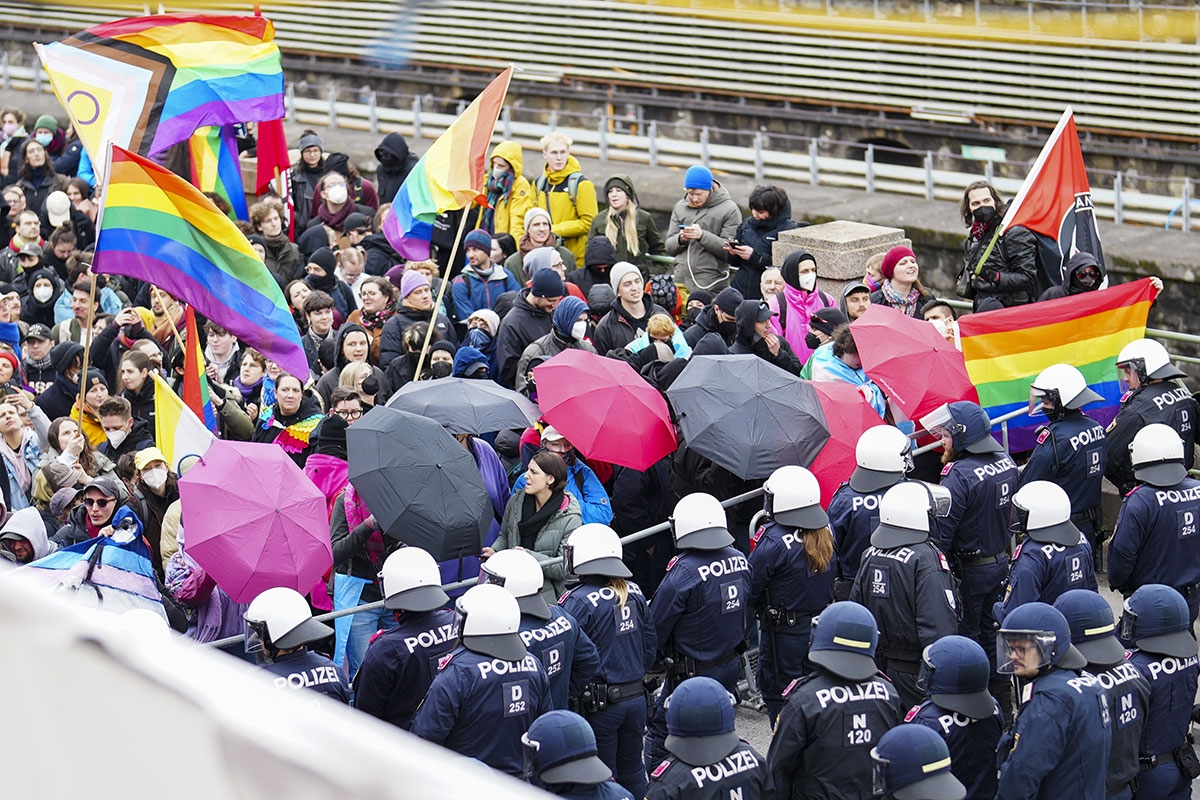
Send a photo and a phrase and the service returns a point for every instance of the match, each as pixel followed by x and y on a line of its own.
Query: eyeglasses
pixel 98 502
pixel 356 414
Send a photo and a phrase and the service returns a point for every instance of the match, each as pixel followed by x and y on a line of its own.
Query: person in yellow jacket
pixel 509 194
pixel 569 197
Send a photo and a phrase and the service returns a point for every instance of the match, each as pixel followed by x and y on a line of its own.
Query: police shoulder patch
pixel 790 687
pixel 671 563
pixel 660 769
pixel 1043 433
pixel 1126 396
pixel 943 562
pixel 1017 552
pixel 1027 692
pixel 946 469
pixel 444 660
pixel 912 712
pixel 375 636
pixel 565 595
pixel 758 533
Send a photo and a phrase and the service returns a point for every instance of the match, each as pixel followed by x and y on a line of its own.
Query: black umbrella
pixel 463 405
pixel 423 487
pixel 748 415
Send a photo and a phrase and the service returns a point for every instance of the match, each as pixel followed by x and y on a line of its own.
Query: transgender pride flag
pixel 448 177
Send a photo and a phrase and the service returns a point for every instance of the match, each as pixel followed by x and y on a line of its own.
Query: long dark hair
pixel 553 465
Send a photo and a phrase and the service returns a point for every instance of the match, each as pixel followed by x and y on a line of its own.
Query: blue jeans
pixel 363 626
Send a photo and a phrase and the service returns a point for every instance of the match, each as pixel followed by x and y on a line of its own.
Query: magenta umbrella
pixel 605 409
pixel 254 521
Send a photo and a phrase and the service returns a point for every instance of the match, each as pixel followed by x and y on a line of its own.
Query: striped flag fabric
pixel 216 169
pixel 177 430
pixel 1005 350
pixel 448 177
pixel 195 381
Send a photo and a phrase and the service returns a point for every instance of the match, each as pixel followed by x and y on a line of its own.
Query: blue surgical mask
pixel 44 139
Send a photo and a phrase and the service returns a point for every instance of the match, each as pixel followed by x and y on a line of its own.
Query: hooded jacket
pixel 760 234
pixel 57 400
pixel 391 342
pixel 597 261
pixel 558 339
pixel 748 340
pixel 520 327
pixel 381 256
pixel 509 214
pixel 33 311
pixel 796 306
pixel 28 525
pixel 617 328
pixel 650 241
pixel 1072 286
pixel 329 380
pixel 472 291
pixel 395 162
pixel 700 264
pixel 706 323
pixel 569 219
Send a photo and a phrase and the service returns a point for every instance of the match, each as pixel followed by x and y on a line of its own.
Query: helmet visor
pixel 1127 626
pixel 939 500
pixel 1039 396
pixel 255 634
pixel 879 765
pixel 940 423
pixel 1023 652
pixel 568 556
pixel 529 750
pixel 1018 520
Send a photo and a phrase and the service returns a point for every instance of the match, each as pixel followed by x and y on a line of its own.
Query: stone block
pixel 841 249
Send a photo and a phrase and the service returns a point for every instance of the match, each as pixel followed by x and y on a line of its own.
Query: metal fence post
pixel 602 138
pixel 416 112
pixel 506 121
pixel 758 157
pixel 333 119
pixel 1187 205
pixel 290 101
pixel 704 145
pixel 814 169
pixel 869 160
pixel 37 77
pixel 653 145
pixel 989 171
pixel 554 120
pixel 929 175
pixel 372 114
pixel 1118 204
pixel 5 77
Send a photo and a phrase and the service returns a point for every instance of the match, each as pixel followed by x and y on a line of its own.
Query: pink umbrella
pixel 848 414
pixel 254 521
pixel 605 409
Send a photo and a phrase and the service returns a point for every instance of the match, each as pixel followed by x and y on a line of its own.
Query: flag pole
pixel 174 330
pixel 86 338
pixel 462 226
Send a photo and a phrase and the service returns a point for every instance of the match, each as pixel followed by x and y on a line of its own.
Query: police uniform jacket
pixel 823 740
pixel 981 488
pixel 1070 452
pixel 481 706
pixel 972 744
pixel 1172 691
pixel 1041 572
pixel 853 517
pixel 1156 539
pixel 305 669
pixel 1128 707
pixel 779 567
pixel 400 664
pixel 1162 401
pixel 609 790
pixel 742 774
pixel 700 606
pixel 567 654
pixel 624 636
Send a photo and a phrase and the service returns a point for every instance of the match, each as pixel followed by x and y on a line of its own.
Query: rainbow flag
pixel 178 432
pixel 146 83
pixel 215 167
pixel 448 177
pixel 1005 350
pixel 158 228
pixel 195 381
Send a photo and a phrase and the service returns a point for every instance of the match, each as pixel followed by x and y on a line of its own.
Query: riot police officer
pixel 1094 634
pixel 400 663
pixel 1155 540
pixel 882 458
pixel 707 760
pixel 981 479
pixel 488 689
pixel 1071 450
pixel 279 628
pixel 1155 621
pixel 699 610
pixel 560 750
pixel 1055 558
pixel 905 582
pixel 835 714
pixel 914 763
pixel 613 612
pixel 791 578
pixel 567 654
pixel 1058 746
pixel 1154 396
pixel 955 674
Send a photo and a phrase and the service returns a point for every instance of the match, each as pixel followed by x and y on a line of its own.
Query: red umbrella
pixel 605 409
pixel 848 414
pixel 254 520
pixel 910 361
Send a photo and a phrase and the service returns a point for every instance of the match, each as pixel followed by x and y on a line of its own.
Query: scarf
pixel 31 364
pixel 274 243
pixel 907 304
pixel 24 478
pixel 372 320
pixel 498 190
pixel 533 520
pixel 293 437
pixel 245 390
pixel 356 513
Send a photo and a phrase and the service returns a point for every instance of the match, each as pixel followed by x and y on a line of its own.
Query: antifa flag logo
pixel 1055 203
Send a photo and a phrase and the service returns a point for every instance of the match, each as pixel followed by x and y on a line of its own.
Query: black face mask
pixel 727 329
pixel 984 214
pixel 692 314
pixel 441 369
pixel 812 341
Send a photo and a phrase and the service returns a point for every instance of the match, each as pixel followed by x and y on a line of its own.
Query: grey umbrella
pixel 463 405
pixel 421 485
pixel 748 415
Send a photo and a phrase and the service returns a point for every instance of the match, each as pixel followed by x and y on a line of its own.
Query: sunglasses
pixel 101 502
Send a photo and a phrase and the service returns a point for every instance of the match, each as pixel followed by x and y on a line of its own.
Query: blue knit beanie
pixel 568 311
pixel 698 177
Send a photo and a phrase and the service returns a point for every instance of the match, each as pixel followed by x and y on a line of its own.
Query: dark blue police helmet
pixel 844 638
pixel 1157 620
pixel 1042 628
pixel 913 763
pixel 1093 629
pixel 700 720
pixel 955 673
pixel 560 747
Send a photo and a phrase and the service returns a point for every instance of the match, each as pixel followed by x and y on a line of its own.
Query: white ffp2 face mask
pixel 43 293
pixel 116 438
pixel 336 195
pixel 579 330
pixel 808 281
pixel 155 478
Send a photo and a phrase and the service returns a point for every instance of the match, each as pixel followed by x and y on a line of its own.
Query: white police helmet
pixel 883 457
pixel 793 498
pixel 411 581
pixel 698 523
pixel 521 574
pixel 491 622
pixel 1062 385
pixel 906 513
pixel 594 549
pixel 280 619
pixel 1043 512
pixel 1148 359
pixel 1157 455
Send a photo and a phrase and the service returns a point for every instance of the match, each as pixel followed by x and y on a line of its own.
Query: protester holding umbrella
pixel 754 335
pixel 540 518
pixel 359 550
pixel 567 332
pixel 291 420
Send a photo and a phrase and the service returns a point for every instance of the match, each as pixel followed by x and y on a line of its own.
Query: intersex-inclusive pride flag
pixel 448 177
pixel 147 83
pixel 1005 350
pixel 1055 202
pixel 215 167
pixel 158 228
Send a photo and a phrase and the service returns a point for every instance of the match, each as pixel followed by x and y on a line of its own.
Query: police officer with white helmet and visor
pixel 279 628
